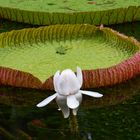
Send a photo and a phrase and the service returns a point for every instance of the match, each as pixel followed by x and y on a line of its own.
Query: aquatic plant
pixel 70 12
pixel 105 76
pixel 68 94
pixel 110 57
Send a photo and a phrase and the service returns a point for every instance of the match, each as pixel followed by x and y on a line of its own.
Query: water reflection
pixel 19 116
pixel 130 29
pixel 20 97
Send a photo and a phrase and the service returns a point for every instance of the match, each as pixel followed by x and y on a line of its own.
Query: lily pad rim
pixel 70 13
pixel 41 84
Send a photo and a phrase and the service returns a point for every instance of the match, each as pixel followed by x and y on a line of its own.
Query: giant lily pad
pixel 43 12
pixel 30 57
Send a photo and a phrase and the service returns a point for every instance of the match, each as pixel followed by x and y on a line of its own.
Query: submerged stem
pixel 73 124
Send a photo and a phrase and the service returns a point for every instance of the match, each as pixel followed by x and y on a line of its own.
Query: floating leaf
pixel 30 57
pixel 70 12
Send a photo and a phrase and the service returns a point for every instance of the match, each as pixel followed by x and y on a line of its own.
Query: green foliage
pixel 41 12
pixel 45 50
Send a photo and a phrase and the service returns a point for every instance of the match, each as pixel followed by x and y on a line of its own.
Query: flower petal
pixel 61 101
pixel 91 93
pixel 79 75
pixel 55 81
pixel 79 98
pixel 63 86
pixel 47 100
pixel 72 102
pixel 68 82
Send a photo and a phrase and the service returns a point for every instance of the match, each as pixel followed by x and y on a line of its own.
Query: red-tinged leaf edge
pixel 92 78
pixel 18 78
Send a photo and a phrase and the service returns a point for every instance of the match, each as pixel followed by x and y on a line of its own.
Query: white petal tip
pixel 78 68
pixel 92 94
pixel 97 95
pixel 47 100
pixel 66 114
pixel 66 117
pixel 59 109
pixel 73 106
pixel 38 105
pixel 74 112
pixel 79 75
pixel 41 104
pixel 101 95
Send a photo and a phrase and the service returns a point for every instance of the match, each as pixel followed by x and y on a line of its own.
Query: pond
pixel 115 116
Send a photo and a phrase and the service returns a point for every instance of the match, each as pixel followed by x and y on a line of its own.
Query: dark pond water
pixel 114 117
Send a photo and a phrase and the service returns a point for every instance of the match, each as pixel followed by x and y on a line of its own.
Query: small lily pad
pixel 62 50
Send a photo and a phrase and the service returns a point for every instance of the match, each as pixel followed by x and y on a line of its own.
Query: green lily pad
pixel 36 54
pixel 42 12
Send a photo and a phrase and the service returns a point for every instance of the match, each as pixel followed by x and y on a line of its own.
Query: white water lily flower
pixel 68 94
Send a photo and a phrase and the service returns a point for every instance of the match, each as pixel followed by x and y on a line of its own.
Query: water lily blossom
pixel 68 95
